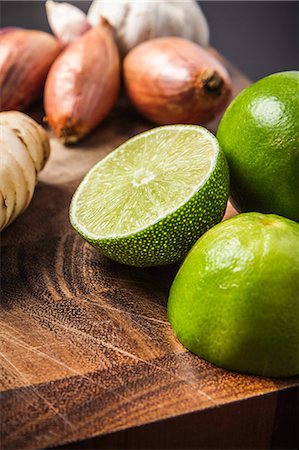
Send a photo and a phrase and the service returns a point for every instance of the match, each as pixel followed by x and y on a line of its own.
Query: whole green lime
pixel 259 134
pixel 235 299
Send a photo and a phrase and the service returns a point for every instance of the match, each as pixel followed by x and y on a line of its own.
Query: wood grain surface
pixel 86 347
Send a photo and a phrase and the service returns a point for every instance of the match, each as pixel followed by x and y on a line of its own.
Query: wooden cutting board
pixel 86 348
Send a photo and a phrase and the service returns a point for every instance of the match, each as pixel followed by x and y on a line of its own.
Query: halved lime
pixel 148 202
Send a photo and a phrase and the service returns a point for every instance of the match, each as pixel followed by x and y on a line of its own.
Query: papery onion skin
pixel 83 84
pixel 25 59
pixel 172 80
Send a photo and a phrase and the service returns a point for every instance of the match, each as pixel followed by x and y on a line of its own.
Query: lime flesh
pixel 148 201
pixel 235 299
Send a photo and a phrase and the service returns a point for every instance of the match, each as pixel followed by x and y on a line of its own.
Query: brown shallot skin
pixel 83 84
pixel 25 59
pixel 172 80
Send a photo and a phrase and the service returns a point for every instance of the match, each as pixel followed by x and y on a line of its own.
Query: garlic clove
pixel 25 59
pixel 66 21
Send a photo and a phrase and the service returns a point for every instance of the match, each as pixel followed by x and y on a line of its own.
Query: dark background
pixel 259 37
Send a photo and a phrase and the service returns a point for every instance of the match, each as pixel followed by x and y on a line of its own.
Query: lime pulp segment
pixel 144 180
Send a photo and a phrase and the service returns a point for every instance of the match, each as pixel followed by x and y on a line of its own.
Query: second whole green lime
pixel 259 134
pixel 235 299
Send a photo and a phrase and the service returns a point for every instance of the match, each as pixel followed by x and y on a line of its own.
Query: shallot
pixel 25 59
pixel 172 80
pixel 83 84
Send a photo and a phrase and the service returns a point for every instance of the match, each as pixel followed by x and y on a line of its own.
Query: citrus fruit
pixel 147 202
pixel 259 134
pixel 235 299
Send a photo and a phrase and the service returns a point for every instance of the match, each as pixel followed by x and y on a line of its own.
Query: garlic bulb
pixel 135 22
pixel 66 21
